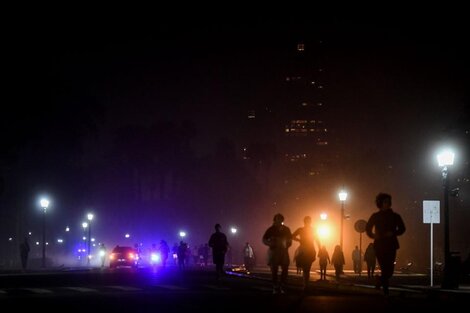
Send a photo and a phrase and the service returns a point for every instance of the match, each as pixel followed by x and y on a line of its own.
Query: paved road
pixel 197 290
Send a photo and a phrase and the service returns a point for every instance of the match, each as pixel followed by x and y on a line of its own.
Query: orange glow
pixel 323 232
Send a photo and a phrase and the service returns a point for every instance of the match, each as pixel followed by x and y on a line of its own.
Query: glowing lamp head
pixel 127 235
pixel 182 234
pixel 233 230
pixel 323 216
pixel 84 224
pixel 44 203
pixel 445 158
pixel 343 195
pixel 90 216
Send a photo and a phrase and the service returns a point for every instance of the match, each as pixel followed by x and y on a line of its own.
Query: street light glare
pixel 84 224
pixel 182 234
pixel 343 195
pixel 323 216
pixel 445 158
pixel 323 231
pixel 90 216
pixel 44 203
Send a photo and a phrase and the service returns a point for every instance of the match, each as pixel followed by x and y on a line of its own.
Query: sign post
pixel 360 227
pixel 431 215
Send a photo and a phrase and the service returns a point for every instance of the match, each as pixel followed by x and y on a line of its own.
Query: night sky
pixel 145 124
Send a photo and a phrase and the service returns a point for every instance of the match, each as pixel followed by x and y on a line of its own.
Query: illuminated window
pixel 300 47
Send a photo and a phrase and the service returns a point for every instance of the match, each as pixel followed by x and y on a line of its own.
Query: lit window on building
pixel 251 114
pixel 320 87
pixel 300 47
pixel 319 104
pixel 304 104
pixel 312 83
pixel 287 79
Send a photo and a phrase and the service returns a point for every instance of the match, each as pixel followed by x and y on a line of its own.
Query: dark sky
pixel 396 89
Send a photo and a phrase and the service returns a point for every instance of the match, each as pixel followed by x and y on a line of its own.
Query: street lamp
pixel 444 159
pixel 44 204
pixel 90 218
pixel 85 226
pixel 343 195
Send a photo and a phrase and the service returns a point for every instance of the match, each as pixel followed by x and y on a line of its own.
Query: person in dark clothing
pixel 279 238
pixel 370 259
pixel 24 252
pixel 219 244
pixel 182 250
pixel 338 261
pixel 164 251
pixel 384 227
pixel 307 253
pixel 324 260
pixel 356 257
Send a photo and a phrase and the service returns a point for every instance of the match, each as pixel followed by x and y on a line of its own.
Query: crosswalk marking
pixel 81 289
pixel 125 288
pixel 216 287
pixel 171 287
pixel 262 288
pixel 38 290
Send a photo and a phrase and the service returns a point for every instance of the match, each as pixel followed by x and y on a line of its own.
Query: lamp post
pixel 44 205
pixel 446 158
pixel 343 195
pixel 85 226
pixel 90 218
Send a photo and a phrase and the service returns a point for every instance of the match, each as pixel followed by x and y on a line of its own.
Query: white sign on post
pixel 431 212
pixel 431 215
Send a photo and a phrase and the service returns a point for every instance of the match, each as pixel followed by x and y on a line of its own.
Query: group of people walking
pixel 383 227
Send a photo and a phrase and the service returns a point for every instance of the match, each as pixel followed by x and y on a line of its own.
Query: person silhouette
pixel 102 254
pixel 370 259
pixel 324 259
pixel 279 238
pixel 164 251
pixel 182 251
pixel 248 256
pixel 356 257
pixel 338 261
pixel 307 253
pixel 384 226
pixel 24 252
pixel 219 244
